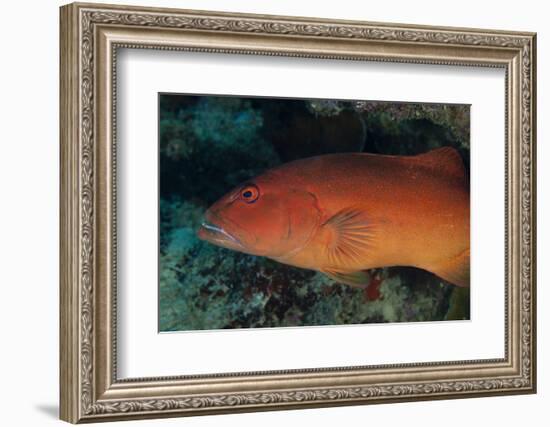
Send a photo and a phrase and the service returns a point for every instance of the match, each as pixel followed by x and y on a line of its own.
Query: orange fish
pixel 342 214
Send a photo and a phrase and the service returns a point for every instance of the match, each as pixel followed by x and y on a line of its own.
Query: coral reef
pixel 210 144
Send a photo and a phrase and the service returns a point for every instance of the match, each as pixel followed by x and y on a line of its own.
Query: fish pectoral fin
pixel 349 237
pixel 358 279
pixel 456 270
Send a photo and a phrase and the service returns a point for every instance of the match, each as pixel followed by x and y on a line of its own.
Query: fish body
pixel 342 214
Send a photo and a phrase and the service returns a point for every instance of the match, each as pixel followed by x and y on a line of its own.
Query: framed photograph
pixel 267 212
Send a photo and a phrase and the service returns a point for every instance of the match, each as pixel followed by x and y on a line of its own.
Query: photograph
pixel 278 212
pixel 261 211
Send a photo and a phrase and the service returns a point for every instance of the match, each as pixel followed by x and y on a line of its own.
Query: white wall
pixel 29 213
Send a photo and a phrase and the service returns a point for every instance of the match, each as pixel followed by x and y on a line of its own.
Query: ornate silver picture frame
pixel 91 37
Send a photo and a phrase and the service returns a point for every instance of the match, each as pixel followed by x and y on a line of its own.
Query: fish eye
pixel 250 193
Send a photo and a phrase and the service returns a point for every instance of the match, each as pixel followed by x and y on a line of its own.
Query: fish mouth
pixel 218 235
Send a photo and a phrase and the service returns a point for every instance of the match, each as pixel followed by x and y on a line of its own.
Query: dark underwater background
pixel 209 144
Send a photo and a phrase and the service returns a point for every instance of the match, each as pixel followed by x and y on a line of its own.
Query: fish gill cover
pixel 210 144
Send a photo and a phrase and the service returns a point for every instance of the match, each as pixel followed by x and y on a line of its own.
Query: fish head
pixel 262 217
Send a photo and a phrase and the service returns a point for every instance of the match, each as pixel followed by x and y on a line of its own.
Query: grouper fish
pixel 342 214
